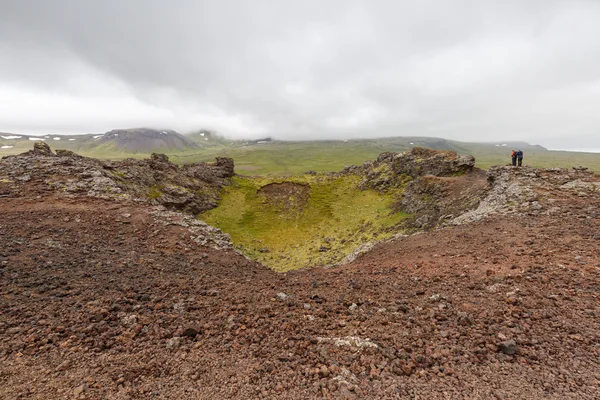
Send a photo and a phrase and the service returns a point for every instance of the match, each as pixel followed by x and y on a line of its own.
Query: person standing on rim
pixel 519 155
pixel 513 156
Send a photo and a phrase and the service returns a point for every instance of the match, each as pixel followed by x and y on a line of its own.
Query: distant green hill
pixel 287 157
pixel 275 157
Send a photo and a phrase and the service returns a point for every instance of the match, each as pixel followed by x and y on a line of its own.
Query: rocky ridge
pixel 395 169
pixel 442 188
pixel 528 191
pixel 192 188
pixel 176 192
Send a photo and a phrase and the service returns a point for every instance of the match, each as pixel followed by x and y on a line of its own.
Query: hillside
pixel 108 291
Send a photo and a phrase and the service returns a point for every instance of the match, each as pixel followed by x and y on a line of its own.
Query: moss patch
pixel 154 192
pixel 302 221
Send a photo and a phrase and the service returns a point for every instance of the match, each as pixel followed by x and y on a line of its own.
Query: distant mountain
pixel 115 144
pixel 207 138
pixel 143 140
pixel 258 141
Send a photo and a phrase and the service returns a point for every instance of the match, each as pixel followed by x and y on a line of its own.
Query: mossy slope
pixel 319 229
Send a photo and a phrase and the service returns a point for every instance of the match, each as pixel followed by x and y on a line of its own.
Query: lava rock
pixel 190 332
pixel 508 347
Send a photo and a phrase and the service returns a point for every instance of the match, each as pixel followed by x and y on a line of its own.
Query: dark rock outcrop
pixel 192 188
pixel 437 185
pixel 41 149
pixel 396 169
pixel 420 161
pixel 215 172
pixel 68 154
pixel 433 200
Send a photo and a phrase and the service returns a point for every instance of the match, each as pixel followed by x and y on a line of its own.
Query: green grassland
pixel 289 158
pixel 291 231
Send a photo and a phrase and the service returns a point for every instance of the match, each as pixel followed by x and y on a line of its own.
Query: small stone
pixel 282 296
pixel 508 347
pixel 173 343
pixel 352 307
pixel 13 330
pixel 79 390
pixel 536 205
pixel 435 297
pixel 408 368
pixel 63 365
pixel 190 332
pixel 129 320
pixel 512 301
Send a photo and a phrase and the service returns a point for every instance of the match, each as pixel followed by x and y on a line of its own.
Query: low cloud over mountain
pixel 303 70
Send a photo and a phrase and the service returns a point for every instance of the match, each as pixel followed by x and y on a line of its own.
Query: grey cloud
pixel 467 70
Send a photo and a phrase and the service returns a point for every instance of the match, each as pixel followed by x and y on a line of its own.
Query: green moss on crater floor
pixel 308 220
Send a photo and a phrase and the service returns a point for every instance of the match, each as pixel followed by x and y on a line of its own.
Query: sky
pixel 330 69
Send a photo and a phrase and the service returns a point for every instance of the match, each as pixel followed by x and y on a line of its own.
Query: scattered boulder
pixel 282 296
pixel 40 149
pixel 173 343
pixel 79 390
pixel 68 154
pixel 190 332
pixel 159 158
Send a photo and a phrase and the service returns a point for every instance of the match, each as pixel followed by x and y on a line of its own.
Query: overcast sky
pixel 467 70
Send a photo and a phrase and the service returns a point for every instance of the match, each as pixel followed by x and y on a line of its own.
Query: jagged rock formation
pixel 437 185
pixel 395 169
pixel 432 200
pixel 420 161
pixel 40 149
pixel 517 190
pixel 193 188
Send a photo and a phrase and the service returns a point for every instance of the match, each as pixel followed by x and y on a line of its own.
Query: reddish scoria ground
pixel 99 301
